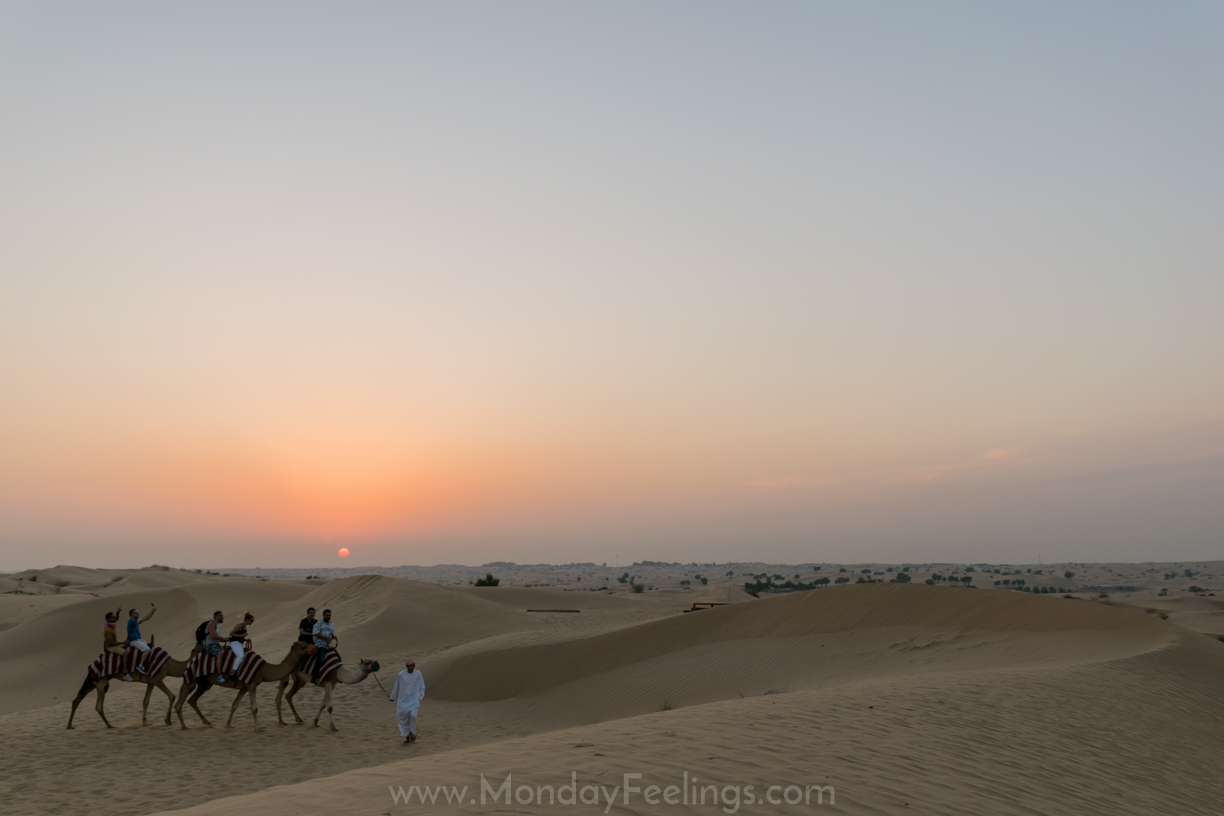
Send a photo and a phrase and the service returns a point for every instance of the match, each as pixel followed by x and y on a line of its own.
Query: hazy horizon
pixel 554 283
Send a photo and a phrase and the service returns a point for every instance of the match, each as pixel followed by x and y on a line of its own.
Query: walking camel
pixel 172 668
pixel 267 673
pixel 340 674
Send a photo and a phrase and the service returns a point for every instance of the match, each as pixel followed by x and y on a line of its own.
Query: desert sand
pixel 901 697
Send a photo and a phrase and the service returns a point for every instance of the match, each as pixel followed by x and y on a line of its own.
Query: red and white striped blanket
pixel 109 663
pixel 330 663
pixel 203 663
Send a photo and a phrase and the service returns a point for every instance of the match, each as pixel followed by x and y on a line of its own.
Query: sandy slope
pixel 785 638
pixel 983 701
pixel 1092 738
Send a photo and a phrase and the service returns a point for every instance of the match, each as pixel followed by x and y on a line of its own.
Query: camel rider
pixel 306 627
pixel 110 637
pixel 214 641
pixel 237 636
pixel 324 638
pixel 133 633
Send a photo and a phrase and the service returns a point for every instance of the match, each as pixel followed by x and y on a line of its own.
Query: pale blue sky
pixel 533 280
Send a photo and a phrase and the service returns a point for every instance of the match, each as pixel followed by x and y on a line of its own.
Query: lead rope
pixel 379 682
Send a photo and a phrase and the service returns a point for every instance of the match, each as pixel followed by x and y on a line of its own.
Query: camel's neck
pixel 346 675
pixel 175 668
pixel 281 670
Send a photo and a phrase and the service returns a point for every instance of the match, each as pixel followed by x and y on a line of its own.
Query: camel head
pixel 364 668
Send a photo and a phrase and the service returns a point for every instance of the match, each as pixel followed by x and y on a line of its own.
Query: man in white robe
pixel 407 693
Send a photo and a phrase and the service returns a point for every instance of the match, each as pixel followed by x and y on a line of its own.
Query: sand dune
pixel 995 742
pixel 792 630
pixel 983 701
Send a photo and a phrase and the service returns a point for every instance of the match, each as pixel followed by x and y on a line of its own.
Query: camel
pixel 173 668
pixel 268 673
pixel 341 674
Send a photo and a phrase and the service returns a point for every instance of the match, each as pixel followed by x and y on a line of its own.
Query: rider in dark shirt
pixel 306 627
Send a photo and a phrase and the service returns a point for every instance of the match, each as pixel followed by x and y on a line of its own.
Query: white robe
pixel 407 693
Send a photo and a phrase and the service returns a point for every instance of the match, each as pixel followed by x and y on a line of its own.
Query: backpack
pixel 202 630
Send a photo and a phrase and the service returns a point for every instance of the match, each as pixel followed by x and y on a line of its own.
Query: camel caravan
pixel 224 660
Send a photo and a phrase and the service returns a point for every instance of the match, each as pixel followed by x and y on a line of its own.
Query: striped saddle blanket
pixel 202 664
pixel 109 663
pixel 330 663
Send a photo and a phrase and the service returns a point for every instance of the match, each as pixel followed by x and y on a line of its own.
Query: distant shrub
pixel 704 580
pixel 1196 588
pixel 1103 596
pixel 1150 611
pixel 61 583
pixel 902 578
pixel 843 569
pixel 624 579
pixel 33 578
pixel 1164 615
pixel 685 583
pixel 1068 575
pixel 667 706
pixel 1220 638
pixel 763 584
pixel 638 587
pixel 488 580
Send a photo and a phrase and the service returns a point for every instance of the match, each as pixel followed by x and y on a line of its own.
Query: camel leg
pixel 234 707
pixel 182 697
pixel 297 686
pixel 102 686
pixel 280 695
pixel 178 706
pixel 255 707
pixel 144 713
pixel 194 698
pixel 161 684
pixel 327 693
pixel 86 687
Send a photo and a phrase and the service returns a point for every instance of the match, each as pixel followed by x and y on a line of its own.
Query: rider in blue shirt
pixel 324 638
pixel 133 634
